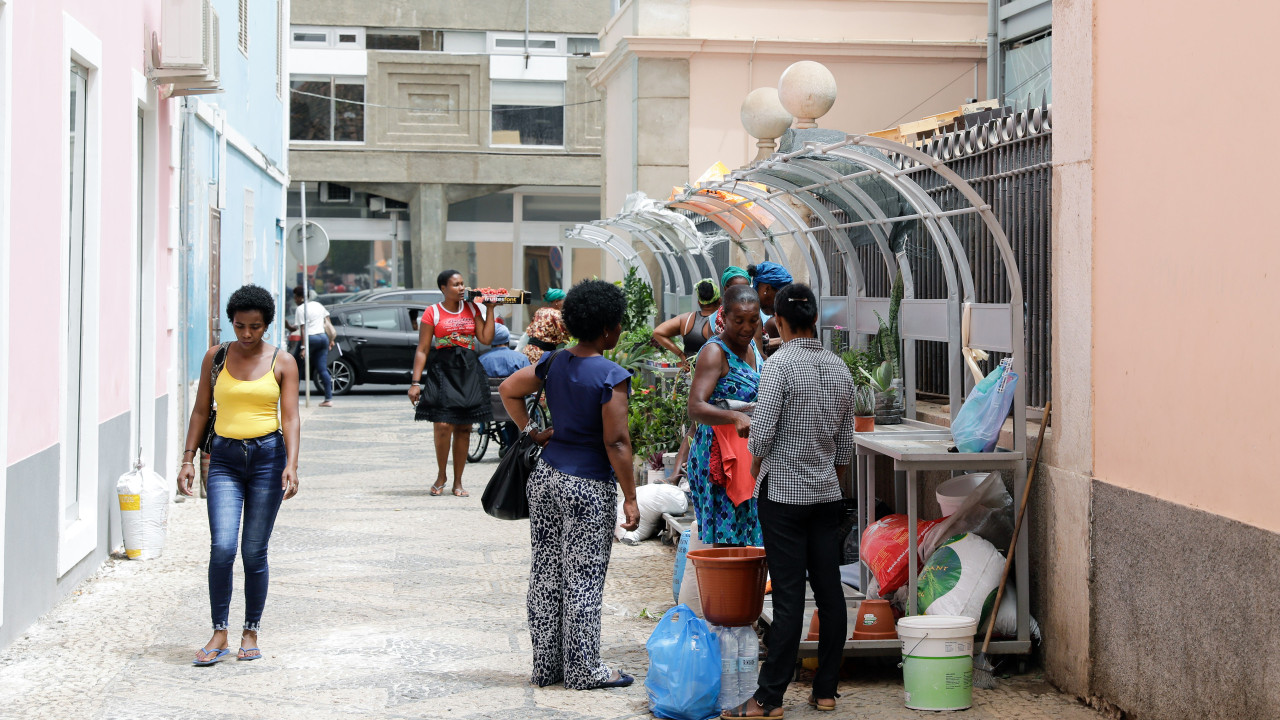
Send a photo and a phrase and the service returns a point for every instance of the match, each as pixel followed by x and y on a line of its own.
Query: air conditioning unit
pixel 185 54
pixel 379 204
pixel 335 194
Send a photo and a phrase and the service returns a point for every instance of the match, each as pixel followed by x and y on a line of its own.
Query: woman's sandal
pixel 437 490
pixel 211 657
pixel 624 680
pixel 740 712
pixel 459 492
pixel 819 704
pixel 244 654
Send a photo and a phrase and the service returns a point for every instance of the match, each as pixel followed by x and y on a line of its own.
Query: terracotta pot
pixel 864 423
pixel 730 583
pixel 813 628
pixel 874 621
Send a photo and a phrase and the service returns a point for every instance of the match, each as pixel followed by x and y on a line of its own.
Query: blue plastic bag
pixel 977 425
pixel 678 576
pixel 684 667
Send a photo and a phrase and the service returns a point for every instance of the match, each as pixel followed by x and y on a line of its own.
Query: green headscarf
pixel 553 295
pixel 715 291
pixel 732 272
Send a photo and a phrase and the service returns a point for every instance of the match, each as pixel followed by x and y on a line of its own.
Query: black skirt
pixel 455 389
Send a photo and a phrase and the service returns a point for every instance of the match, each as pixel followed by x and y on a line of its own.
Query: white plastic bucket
pixel 951 493
pixel 937 661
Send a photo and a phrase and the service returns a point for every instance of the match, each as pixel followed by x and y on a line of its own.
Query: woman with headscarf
pixel 547 331
pixel 768 278
pixel 694 328
pixel 732 275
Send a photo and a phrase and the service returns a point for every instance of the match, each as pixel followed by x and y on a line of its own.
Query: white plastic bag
pixel 960 578
pixel 654 500
pixel 144 512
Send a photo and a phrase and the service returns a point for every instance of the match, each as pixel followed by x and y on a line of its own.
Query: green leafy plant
pixel 859 362
pixel 864 400
pixel 880 379
pixel 640 305
pixel 656 418
pixel 634 348
pixel 887 343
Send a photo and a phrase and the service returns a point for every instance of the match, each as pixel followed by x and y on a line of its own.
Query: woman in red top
pixel 454 391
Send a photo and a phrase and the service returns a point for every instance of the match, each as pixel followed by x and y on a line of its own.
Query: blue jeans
pixel 244 477
pixel 318 346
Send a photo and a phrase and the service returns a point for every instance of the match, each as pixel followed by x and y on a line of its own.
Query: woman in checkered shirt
pixel 802 442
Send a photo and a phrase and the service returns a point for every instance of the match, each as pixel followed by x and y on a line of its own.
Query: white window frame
pixel 581 37
pixel 364 80
pixel 331 34
pixel 564 94
pixel 384 31
pixel 77 539
pixel 6 167
pixel 146 187
pixel 491 44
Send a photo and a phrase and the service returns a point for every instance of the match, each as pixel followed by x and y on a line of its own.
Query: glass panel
pixel 310 37
pixel 541 274
pixel 392 41
pixel 347 38
pixel 583 45
pixel 1027 71
pixel 75 287
pixel 310 110
pixel 562 208
pixel 534 44
pixel 349 111
pixel 432 40
pixel 497 207
pixel 382 318
pixel 527 113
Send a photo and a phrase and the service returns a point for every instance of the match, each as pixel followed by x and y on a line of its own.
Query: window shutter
pixel 243 36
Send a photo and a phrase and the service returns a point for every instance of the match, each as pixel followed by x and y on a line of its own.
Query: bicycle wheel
pixel 479 442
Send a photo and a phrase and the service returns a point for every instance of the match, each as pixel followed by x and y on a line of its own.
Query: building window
pixel 1028 65
pixel 327 109
pixel 76 227
pixel 242 36
pixel 321 36
pixel 514 44
pixel 527 113
pixel 583 45
pixel 392 40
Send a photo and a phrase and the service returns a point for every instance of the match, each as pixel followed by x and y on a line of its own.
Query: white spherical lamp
pixel 807 90
pixel 765 119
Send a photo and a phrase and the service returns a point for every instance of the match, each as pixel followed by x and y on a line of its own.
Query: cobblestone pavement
pixel 384 603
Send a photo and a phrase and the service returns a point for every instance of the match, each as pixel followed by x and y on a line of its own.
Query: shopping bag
pixel 977 425
pixel 684 667
pixel 506 497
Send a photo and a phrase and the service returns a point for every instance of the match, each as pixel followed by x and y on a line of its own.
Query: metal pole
pixel 395 240
pixel 993 49
pixel 306 296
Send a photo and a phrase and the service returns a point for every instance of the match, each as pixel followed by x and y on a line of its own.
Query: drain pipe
pixel 526 34
pixel 993 49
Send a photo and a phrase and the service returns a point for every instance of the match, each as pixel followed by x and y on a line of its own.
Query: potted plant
pixel 864 408
pixel 888 390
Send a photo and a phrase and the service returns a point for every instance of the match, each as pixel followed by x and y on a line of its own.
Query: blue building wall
pixel 251 116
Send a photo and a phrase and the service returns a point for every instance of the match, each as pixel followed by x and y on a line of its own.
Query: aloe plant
pixel 864 401
pixel 888 341
pixel 881 378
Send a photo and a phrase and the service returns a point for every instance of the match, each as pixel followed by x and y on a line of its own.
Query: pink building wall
pixel 36 284
pixel 1186 270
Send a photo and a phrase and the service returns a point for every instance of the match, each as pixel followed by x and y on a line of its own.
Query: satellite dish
pixel 317 242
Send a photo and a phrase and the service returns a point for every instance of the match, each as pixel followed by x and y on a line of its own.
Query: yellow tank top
pixel 247 408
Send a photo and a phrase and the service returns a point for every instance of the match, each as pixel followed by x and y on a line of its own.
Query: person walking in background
pixel 728 368
pixel 317 338
pixel 253 466
pixel 547 330
pixel 573 489
pixel 450 388
pixel 500 360
pixel 802 441
pixel 694 328
pixel 768 278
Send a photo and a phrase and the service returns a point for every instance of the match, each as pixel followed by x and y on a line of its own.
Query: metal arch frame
pixel 676 255
pixel 690 244
pixel 622 253
pixel 671 279
pixel 759 231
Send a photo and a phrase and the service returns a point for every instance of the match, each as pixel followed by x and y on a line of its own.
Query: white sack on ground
pixel 144 512
pixel 654 500
pixel 960 577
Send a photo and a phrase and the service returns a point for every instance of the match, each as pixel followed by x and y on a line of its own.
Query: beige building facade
pixel 471 124
pixel 676 72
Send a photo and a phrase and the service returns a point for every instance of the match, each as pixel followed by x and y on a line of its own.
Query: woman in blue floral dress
pixel 728 368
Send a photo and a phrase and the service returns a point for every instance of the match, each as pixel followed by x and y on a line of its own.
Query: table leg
pixel 864 516
pixel 912 550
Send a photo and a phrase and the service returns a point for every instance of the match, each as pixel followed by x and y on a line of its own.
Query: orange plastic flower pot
pixel 864 423
pixel 731 583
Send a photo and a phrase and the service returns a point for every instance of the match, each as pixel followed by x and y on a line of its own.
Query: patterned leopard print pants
pixel 571 521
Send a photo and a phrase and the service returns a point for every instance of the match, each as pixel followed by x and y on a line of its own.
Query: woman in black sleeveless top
pixel 693 327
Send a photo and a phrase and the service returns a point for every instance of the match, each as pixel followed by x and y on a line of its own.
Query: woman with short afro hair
pixel 573 490
pixel 253 465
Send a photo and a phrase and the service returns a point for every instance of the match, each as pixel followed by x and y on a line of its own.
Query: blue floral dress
pixel 719 521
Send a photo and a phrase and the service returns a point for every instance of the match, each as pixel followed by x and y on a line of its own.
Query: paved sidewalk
pixel 384 603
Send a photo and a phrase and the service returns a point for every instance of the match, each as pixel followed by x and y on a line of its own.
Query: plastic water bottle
pixel 748 662
pixel 728 666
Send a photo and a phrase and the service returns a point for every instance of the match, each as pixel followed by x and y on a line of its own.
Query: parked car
pixel 375 344
pixel 328 299
pixel 426 297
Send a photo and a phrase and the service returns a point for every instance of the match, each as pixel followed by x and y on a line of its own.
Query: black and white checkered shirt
pixel 802 426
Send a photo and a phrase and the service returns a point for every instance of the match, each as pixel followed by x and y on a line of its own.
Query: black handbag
pixel 219 359
pixel 506 497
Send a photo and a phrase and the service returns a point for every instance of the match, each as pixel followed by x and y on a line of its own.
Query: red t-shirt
pixel 455 328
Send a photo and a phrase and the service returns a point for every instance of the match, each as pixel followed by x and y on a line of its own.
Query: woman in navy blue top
pixel 573 490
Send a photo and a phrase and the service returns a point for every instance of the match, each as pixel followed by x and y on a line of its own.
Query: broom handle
pixel 1017 526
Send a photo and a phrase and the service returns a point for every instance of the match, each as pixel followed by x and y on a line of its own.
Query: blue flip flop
pixel 211 659
pixel 624 680
pixel 247 658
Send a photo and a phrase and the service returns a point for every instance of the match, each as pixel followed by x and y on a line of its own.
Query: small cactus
pixel 864 400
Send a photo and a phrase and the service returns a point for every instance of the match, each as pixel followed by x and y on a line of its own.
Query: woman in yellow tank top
pixel 253 463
